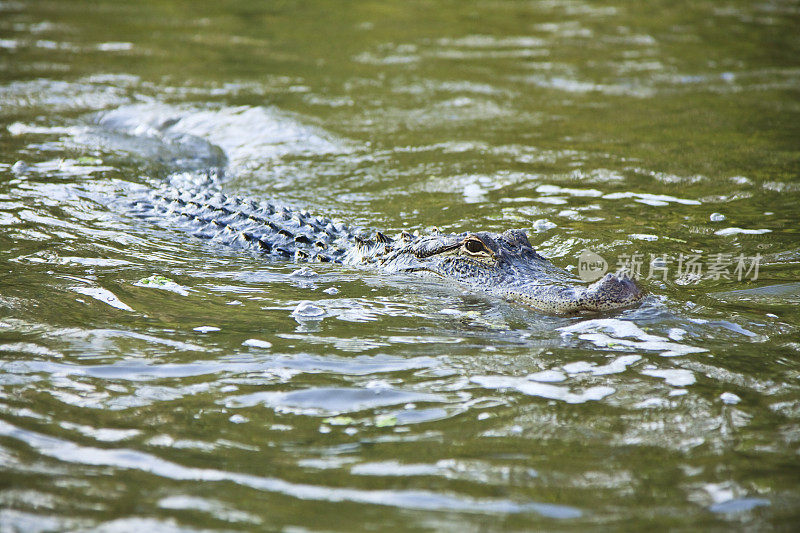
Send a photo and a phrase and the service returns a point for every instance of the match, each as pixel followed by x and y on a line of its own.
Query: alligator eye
pixel 474 246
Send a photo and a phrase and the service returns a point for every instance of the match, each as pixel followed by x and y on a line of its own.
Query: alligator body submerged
pixel 501 264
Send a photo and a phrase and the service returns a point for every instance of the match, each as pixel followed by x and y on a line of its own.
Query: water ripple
pixel 69 452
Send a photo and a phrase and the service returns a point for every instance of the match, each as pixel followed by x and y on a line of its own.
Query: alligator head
pixel 506 265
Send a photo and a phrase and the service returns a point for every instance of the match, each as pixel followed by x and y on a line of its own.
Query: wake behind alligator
pixel 501 264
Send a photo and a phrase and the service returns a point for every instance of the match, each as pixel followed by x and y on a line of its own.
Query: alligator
pixel 501 264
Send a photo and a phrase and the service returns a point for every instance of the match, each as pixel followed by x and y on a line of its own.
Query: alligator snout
pixel 610 292
pixel 559 298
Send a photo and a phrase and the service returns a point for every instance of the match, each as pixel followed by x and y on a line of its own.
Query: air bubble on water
pixel 20 167
pixel 206 329
pixel 304 272
pixel 543 225
pixel 257 343
pixel 307 309
pixel 729 398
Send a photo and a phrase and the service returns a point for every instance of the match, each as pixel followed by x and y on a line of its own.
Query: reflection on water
pixel 152 380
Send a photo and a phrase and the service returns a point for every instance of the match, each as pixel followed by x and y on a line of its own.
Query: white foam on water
pixel 547 376
pixel 650 199
pixel 103 295
pixel 741 231
pixel 677 377
pixel 615 333
pixel 543 390
pixel 555 189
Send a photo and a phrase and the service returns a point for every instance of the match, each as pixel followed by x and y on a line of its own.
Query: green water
pixel 663 128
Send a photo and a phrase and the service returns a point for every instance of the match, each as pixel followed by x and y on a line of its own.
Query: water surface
pixel 664 128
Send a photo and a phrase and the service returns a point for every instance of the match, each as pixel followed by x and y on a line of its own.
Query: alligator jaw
pixel 607 294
